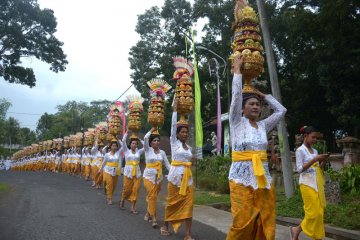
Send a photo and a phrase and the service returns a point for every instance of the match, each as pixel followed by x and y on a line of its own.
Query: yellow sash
pixel 134 164
pixel 157 165
pixel 114 164
pixel 100 160
pixel 186 176
pixel 320 182
pixel 256 157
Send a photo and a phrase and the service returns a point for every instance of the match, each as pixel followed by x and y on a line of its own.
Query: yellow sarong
pixel 320 182
pixel 178 207
pixel 110 184
pixel 158 166
pixel 152 192
pixel 256 157
pixel 131 189
pixel 253 213
pixel 185 177
pixel 313 222
pixel 134 164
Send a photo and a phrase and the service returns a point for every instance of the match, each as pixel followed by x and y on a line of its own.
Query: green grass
pixel 205 198
pixel 346 214
pixel 3 187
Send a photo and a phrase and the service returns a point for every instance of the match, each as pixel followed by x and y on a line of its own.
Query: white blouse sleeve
pixel 104 161
pixel 120 149
pixel 146 142
pixel 124 145
pixel 299 160
pixel 141 151
pixel 278 114
pixel 165 159
pixel 236 101
pixel 173 128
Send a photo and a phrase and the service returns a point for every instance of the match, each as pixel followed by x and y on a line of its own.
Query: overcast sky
pixel 97 36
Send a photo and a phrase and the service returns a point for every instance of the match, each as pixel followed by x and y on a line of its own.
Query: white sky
pixel 97 37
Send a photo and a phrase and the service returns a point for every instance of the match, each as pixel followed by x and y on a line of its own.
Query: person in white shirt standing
pixel 309 164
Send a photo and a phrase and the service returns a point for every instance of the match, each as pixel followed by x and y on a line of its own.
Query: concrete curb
pixel 221 220
pixel 331 231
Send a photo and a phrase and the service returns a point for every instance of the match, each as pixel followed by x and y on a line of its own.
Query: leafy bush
pixel 213 173
pixel 350 179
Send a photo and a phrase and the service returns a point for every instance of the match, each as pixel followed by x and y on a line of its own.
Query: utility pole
pixel 282 132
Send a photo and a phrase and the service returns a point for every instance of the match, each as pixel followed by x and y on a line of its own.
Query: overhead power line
pixel 24 113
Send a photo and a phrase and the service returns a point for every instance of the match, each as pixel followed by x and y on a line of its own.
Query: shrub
pixel 350 179
pixel 213 173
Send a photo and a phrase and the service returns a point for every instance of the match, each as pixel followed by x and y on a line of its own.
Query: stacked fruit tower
pixel 66 142
pixel 78 139
pixel 247 43
pixel 183 91
pixel 35 148
pixel 159 88
pixel 135 109
pixel 72 141
pixel 114 120
pixel 58 143
pixel 89 137
pixel 101 131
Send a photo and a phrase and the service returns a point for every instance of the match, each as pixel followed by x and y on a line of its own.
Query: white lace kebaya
pixel 244 137
pixel 130 156
pixel 151 157
pixel 307 177
pixel 178 153
pixel 109 157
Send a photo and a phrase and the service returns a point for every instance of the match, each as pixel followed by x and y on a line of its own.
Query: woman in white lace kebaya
pixel 309 164
pixel 98 151
pixel 251 190
pixel 111 166
pixel 153 176
pixel 132 173
pixel 180 198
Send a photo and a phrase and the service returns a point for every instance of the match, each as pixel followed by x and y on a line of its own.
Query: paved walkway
pixel 45 205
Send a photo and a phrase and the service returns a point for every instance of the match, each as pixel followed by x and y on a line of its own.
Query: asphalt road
pixel 43 205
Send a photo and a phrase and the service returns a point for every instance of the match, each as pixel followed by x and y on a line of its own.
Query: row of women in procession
pixel 252 191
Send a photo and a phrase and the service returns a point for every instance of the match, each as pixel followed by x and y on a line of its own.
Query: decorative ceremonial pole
pixel 198 120
pixel 219 125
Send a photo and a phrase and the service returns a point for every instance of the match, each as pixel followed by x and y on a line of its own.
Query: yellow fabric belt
pixel 157 165
pixel 134 164
pixel 112 164
pixel 186 176
pixel 320 182
pixel 256 157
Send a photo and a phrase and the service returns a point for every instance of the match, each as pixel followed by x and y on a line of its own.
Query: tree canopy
pixel 316 44
pixel 27 31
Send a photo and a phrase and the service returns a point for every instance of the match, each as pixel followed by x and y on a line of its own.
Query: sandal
pixel 134 212
pixel 154 224
pixel 146 217
pixel 164 232
pixel 189 238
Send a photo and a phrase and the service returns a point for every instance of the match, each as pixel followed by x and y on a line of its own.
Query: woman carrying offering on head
pixel 251 190
pixel 153 176
pixel 180 199
pixel 132 173
pixel 111 167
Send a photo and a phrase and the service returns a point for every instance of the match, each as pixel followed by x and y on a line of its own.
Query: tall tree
pixel 27 31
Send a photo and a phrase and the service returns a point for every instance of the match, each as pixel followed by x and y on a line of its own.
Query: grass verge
pixel 3 187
